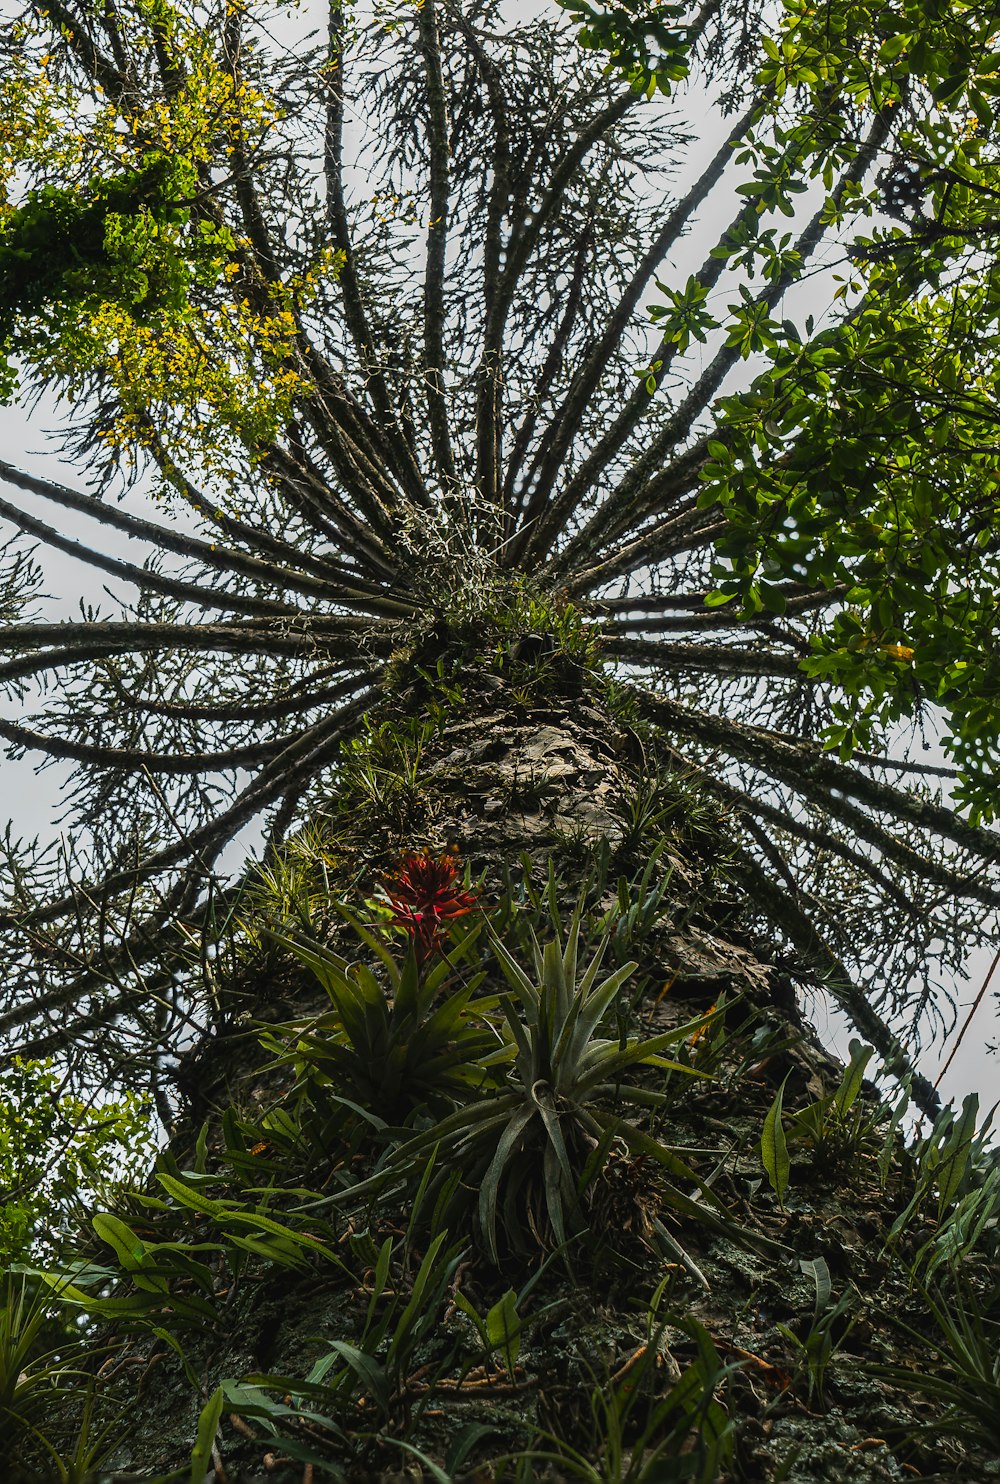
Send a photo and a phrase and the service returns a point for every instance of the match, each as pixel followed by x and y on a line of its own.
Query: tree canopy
pixel 387 320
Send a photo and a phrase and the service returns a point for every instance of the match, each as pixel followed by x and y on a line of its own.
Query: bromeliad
pixel 425 897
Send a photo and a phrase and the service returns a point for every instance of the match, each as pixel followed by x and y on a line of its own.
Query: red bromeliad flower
pixel 424 897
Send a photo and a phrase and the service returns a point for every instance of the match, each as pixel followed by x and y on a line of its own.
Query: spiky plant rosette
pixel 405 1032
pixel 379 424
pixel 556 1098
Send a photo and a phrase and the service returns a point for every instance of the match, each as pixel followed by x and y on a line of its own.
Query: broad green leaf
pixel 503 1328
pixel 853 1077
pixel 182 1192
pixel 111 1229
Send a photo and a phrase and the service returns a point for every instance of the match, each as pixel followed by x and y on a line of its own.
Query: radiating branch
pixel 788 915
pixel 554 447
pixel 817 776
pixel 435 309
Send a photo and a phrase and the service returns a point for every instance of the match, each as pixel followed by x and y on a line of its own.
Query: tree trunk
pixel 730 1333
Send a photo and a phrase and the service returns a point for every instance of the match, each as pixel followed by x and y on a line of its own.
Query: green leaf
pixel 427 1273
pixel 955 1155
pixel 853 1077
pixel 773 1148
pixel 111 1229
pixel 894 46
pixel 257 1221
pixel 370 1374
pixel 503 1329
pixel 489 1188
pixel 469 1309
pixel 182 1191
pixel 208 1428
pixel 818 1269
pixel 465 1443
pixel 379 1279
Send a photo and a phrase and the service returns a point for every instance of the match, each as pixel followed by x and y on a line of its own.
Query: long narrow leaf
pixel 956 1153
pixel 542 1098
pixel 774 1149
pixel 853 1077
pixel 369 1373
pixel 371 941
pixel 587 1013
pixel 426 1273
pixel 572 946
pixel 594 967
pixel 208 1428
pixel 514 974
pixel 488 1190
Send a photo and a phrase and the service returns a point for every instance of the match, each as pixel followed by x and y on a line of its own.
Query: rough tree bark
pixel 388 376
pixel 529 769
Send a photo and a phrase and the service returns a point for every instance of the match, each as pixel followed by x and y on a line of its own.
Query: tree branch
pixel 437 245
pixel 814 774
pixel 562 431
pixel 218 558
pixel 299 759
pixel 145 578
pixel 785 912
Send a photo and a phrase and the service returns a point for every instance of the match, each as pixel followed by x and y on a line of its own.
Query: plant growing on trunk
pixel 388 420
pixel 441 500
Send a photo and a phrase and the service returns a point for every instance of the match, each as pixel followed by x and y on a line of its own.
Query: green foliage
pixel 117 271
pixel 842 467
pixel 967 1230
pixel 774 1148
pixel 513 1120
pixel 60 246
pixel 682 318
pixel 962 1370
pixel 824 1125
pixel 295 885
pixel 376 786
pixel 861 459
pixel 59 1155
pixel 49 1409
pixel 413 523
pixel 204 1443
pixel 665 810
pixel 413 1042
pixel 522 613
pixel 396 1326
pixel 534 638
pixel 184 1256
pixel 125 240
pixel 175 1246
pixel 641 1433
pixel 499 1328
pixel 945 1162
pixel 519 1093
pixel 373 524
pixel 641 38
pixel 538 1137
pixel 824 1332
pixel 28 1376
